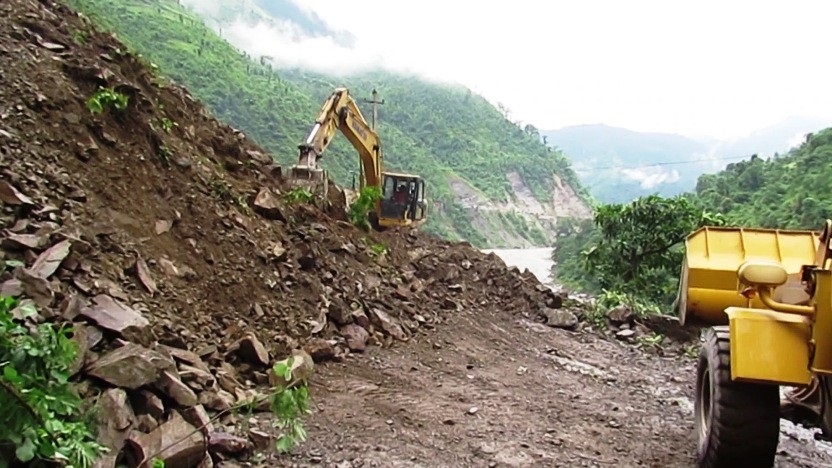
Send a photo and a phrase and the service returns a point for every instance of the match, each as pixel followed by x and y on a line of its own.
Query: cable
pixel 667 163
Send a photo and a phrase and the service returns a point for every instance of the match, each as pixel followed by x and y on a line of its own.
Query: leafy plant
pixel 377 250
pixel 299 195
pixel 637 249
pixel 107 98
pixel 289 405
pixel 360 209
pixel 40 414
pixel 167 124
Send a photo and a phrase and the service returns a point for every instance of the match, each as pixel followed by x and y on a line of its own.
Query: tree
pixel 637 250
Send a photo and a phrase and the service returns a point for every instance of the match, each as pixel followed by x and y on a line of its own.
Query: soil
pixel 428 353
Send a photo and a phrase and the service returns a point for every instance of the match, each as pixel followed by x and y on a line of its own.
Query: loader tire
pixel 737 423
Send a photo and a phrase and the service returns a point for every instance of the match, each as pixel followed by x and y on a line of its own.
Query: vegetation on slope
pixel 791 191
pixel 436 131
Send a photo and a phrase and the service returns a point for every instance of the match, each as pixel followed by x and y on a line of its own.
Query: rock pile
pixel 165 239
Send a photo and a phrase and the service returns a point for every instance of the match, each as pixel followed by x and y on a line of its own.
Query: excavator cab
pixel 403 200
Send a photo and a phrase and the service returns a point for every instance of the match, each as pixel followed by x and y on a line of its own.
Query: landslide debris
pixel 165 239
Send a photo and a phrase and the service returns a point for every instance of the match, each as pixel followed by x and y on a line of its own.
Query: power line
pixel 665 163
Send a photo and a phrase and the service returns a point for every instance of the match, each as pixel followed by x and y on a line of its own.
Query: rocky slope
pixel 165 239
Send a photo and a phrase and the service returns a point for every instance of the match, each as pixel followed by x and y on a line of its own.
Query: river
pixel 536 260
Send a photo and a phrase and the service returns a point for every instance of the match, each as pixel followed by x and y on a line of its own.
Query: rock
pixel 115 418
pixel 146 402
pixel 267 205
pixel 169 268
pixel 389 325
pixel 82 341
pixel 360 318
pixel 338 313
pixel 36 288
pixel 320 349
pixel 114 316
pixel 11 196
pixel 49 261
pixel 143 274
pixel 252 350
pixel 355 336
pixel 197 416
pixel 176 442
pixel 560 318
pixel 221 442
pixel 163 226
pixel 193 374
pixel 624 334
pixel 260 439
pixel 24 241
pixel 146 423
pixel 216 400
pixel 170 384
pixel 619 315
pixel 12 287
pixel 131 366
pixel 187 357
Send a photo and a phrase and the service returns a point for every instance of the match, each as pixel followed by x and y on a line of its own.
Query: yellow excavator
pixel 403 200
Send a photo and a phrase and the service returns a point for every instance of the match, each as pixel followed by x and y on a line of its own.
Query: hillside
pixel 176 259
pixel 789 191
pixel 492 184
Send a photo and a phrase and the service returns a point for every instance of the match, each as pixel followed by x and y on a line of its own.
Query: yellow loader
pixel 766 297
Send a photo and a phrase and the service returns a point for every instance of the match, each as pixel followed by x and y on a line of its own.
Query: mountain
pixel 793 190
pixel 491 182
pixel 619 165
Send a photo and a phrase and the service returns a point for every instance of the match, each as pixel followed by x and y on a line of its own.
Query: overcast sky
pixel 715 68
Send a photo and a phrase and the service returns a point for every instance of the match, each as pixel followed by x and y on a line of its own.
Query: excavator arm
pixel 340 112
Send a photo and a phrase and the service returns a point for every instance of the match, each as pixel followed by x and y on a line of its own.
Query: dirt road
pixel 501 391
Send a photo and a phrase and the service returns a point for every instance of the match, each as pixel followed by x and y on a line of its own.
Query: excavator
pixel 403 200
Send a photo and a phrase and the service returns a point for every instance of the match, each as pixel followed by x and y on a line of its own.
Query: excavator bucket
pixel 709 282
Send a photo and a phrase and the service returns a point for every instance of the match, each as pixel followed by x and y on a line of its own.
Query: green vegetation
pixel 289 404
pixel 41 416
pixel 441 132
pixel 632 253
pixel 360 209
pixel 299 195
pixel 792 191
pixel 105 99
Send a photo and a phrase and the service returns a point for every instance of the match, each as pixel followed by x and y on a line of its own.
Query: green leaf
pixel 25 451
pixel 284 444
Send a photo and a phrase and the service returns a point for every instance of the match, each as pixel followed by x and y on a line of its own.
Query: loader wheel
pixel 737 423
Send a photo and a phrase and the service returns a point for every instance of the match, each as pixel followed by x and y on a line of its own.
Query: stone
pixel 197 416
pixel 170 384
pixel 560 318
pixel 130 366
pixel 143 274
pixel 320 349
pixel 620 315
pixel 260 439
pixel 389 325
pixel 10 195
pixel 24 241
pixel 227 444
pixel 146 402
pixel 252 350
pixel 193 374
pixel 355 336
pixel 116 317
pixel 267 205
pixel 216 400
pixel 176 442
pixel 115 418
pixel 48 262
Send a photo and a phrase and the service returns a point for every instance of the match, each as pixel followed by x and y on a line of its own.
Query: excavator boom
pixel 403 202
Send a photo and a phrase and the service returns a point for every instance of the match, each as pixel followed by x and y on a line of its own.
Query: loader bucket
pixel 709 284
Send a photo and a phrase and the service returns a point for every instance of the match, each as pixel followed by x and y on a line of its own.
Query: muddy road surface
pixel 502 391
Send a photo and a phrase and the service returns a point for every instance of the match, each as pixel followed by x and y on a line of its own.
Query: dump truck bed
pixel 708 282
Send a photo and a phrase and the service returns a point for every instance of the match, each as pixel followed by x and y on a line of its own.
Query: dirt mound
pixel 165 237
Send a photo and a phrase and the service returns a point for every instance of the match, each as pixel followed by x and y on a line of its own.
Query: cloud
pixel 651 177
pixel 715 68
